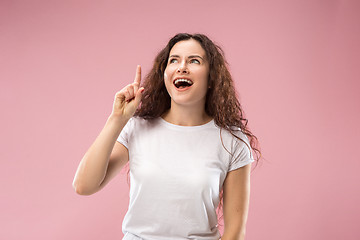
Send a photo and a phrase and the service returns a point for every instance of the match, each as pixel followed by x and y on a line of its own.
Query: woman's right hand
pixel 128 99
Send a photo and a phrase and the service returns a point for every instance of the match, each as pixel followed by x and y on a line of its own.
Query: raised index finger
pixel 138 75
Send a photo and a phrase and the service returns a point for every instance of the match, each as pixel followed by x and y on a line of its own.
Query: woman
pixel 186 145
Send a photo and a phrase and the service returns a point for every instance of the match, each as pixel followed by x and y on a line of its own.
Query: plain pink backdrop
pixel 296 67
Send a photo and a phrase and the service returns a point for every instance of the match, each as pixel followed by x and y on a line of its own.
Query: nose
pixel 182 69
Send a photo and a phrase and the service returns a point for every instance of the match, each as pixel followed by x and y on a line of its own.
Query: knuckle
pixel 119 93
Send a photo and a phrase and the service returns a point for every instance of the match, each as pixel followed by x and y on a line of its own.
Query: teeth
pixel 183 80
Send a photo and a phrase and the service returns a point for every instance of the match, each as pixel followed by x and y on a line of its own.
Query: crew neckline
pixel 179 127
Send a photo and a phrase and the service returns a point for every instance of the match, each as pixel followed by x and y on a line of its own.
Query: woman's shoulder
pixel 234 134
pixel 140 122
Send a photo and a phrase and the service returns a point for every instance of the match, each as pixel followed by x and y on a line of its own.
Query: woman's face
pixel 186 74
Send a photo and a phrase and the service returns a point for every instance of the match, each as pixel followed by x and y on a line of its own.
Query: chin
pixel 186 102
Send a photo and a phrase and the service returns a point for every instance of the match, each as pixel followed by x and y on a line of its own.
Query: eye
pixel 194 61
pixel 172 60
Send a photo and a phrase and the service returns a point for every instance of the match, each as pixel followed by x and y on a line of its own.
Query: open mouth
pixel 182 83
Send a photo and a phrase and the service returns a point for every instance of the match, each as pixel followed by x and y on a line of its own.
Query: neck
pixel 186 116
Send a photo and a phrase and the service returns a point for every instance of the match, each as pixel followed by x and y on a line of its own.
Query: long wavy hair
pixel 221 101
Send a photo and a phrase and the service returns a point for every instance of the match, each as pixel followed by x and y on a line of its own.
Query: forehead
pixel 187 47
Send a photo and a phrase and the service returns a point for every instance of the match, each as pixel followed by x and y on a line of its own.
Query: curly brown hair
pixel 221 101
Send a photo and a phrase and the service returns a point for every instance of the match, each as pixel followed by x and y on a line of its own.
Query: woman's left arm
pixel 236 192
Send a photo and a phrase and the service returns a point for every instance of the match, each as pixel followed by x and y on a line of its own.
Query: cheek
pixel 204 76
pixel 168 73
pixel 167 78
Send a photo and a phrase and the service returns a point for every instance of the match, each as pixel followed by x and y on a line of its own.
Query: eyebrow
pixel 191 56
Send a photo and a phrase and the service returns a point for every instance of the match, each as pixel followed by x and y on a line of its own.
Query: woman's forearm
pixel 93 166
pixel 233 236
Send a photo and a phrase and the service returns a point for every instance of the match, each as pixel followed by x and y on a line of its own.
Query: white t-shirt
pixel 176 175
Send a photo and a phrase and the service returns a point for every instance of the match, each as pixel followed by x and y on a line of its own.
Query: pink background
pixel 296 66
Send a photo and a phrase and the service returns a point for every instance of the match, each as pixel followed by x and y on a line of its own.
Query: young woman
pixel 187 147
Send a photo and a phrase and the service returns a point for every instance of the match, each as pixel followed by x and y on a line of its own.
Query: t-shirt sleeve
pixel 125 133
pixel 242 155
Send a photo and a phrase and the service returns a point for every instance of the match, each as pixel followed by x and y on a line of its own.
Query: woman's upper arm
pixel 118 159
